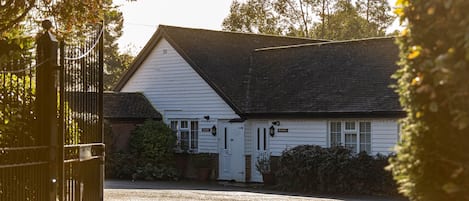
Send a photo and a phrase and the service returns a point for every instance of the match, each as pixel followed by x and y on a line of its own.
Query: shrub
pixel 150 155
pixel 333 170
pixel 263 164
pixel 432 162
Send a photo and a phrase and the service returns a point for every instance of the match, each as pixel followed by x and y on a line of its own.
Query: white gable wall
pixel 174 88
pixel 177 91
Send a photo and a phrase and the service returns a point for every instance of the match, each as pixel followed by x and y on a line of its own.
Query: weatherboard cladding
pixel 350 77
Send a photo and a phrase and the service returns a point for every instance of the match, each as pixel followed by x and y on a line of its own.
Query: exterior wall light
pixel 272 131
pixel 207 117
pixel 214 130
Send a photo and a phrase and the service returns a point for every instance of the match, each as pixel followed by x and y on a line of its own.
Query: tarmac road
pixel 117 190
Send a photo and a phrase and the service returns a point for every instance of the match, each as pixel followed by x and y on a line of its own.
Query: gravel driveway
pixel 181 191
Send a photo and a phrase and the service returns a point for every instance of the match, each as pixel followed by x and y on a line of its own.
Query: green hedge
pixel 432 160
pixel 150 155
pixel 310 168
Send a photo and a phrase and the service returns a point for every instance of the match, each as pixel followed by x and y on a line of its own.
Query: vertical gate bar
pixel 100 110
pixel 60 134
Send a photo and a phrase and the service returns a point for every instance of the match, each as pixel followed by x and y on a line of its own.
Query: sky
pixel 142 17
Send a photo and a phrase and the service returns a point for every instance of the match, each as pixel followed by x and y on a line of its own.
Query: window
pixel 350 126
pixel 355 135
pixel 187 134
pixel 365 137
pixel 194 134
pixel 335 134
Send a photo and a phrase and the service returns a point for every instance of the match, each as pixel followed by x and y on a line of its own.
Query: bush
pixel 150 155
pixel 333 170
pixel 432 161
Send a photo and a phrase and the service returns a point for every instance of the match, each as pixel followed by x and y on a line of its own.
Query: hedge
pixel 310 168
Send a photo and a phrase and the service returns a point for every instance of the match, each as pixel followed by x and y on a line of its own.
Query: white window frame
pixel 193 133
pixel 354 131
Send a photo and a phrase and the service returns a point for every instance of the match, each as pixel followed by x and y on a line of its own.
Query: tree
pixel 338 19
pixel 70 16
pixel 115 63
pixel 345 23
pixel 376 12
pixel 254 16
pixel 432 162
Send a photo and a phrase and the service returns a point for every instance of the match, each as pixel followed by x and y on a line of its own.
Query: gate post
pixel 47 46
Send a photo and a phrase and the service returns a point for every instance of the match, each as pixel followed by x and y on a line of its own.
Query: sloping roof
pixel 221 58
pixel 350 77
pixel 119 105
pixel 260 75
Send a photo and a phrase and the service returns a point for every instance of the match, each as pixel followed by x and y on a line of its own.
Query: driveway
pixel 118 190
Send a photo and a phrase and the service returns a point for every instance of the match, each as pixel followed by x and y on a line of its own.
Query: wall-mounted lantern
pixel 207 117
pixel 272 131
pixel 214 130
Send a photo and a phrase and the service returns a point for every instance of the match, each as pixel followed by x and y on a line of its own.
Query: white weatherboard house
pixel 262 94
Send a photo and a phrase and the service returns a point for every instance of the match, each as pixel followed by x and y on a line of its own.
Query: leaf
pixel 431 11
pixel 415 52
pixel 419 114
pixel 451 188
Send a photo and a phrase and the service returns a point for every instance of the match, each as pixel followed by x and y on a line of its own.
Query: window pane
pixel 185 140
pixel 350 125
pixel 365 136
pixel 258 139
pixel 351 141
pixel 335 134
pixel 174 125
pixel 226 141
pixel 194 134
pixel 183 124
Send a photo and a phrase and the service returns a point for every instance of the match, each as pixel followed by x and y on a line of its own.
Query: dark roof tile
pixel 335 77
pixel 120 105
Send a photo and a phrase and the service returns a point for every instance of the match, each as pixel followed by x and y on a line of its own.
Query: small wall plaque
pixel 282 130
pixel 206 130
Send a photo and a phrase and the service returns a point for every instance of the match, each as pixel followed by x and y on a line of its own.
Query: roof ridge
pixel 243 33
pixel 324 43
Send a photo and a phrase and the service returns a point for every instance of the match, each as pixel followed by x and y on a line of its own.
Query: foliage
pixel 432 161
pixel 327 19
pixel 263 164
pixel 70 15
pixel 115 63
pixel 16 110
pixel 333 170
pixel 150 155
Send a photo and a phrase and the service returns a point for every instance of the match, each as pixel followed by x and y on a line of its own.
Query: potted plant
pixel 263 166
pixel 203 163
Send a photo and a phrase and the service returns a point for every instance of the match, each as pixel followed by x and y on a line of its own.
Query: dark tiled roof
pixel 256 76
pixel 221 58
pixel 120 105
pixel 335 77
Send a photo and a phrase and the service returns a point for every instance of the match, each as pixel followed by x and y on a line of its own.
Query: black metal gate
pixel 51 130
pixel 81 109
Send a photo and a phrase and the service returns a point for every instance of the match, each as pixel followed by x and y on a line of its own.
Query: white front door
pixel 261 148
pixel 231 146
